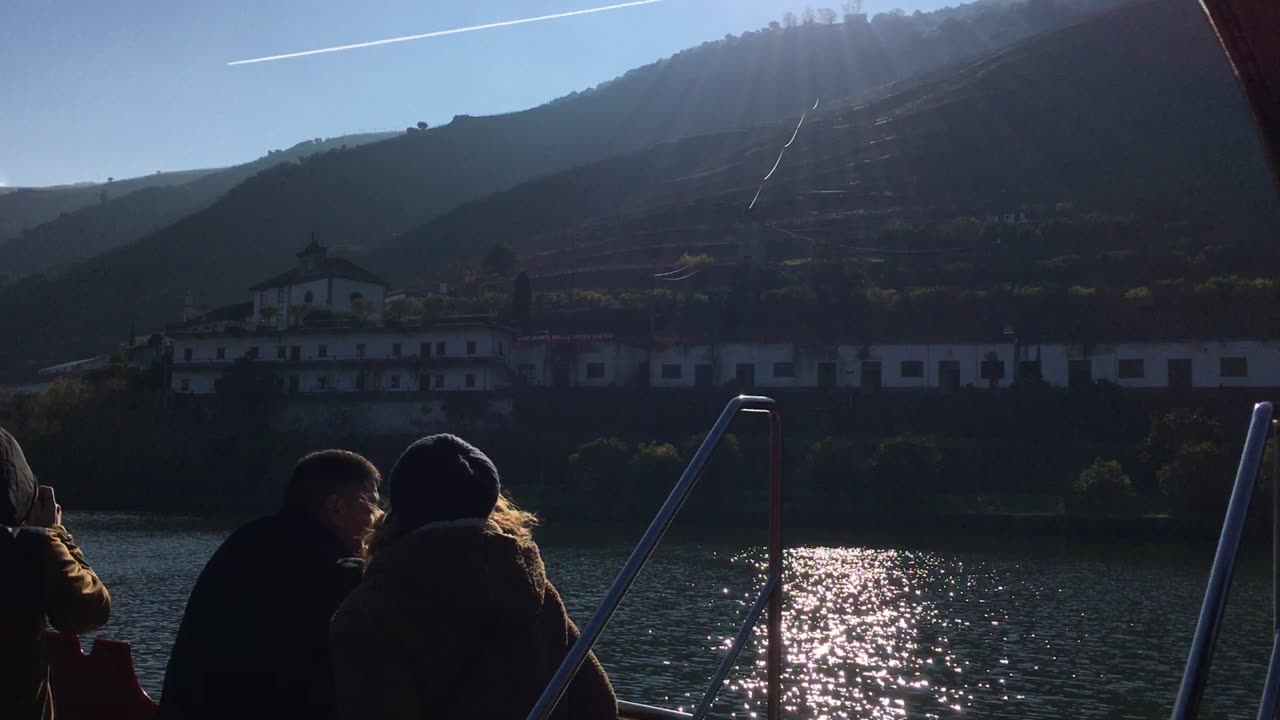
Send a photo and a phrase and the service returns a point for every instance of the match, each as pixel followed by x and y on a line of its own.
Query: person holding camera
pixel 44 575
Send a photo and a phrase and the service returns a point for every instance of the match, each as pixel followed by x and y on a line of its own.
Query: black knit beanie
pixel 442 477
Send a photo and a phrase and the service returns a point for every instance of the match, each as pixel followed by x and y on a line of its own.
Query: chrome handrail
pixel 1191 691
pixel 559 683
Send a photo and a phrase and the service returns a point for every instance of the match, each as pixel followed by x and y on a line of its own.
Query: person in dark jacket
pixel 455 617
pixel 44 576
pixel 253 642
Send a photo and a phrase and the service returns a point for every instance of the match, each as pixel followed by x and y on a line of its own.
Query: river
pixel 884 627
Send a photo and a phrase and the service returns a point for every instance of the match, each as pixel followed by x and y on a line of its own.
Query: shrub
pixel 1198 481
pixel 905 468
pixel 599 463
pixel 1102 486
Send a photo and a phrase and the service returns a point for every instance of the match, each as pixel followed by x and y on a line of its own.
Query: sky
pixel 92 89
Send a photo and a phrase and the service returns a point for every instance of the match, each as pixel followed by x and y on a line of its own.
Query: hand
pixel 46 512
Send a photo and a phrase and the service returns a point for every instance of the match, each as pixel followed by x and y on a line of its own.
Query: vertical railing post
pixel 774 660
pixel 1200 657
pixel 1275 526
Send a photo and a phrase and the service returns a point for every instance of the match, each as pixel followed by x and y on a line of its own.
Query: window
pixel 279 296
pixel 295 352
pixel 471 380
pixel 1079 372
pixel 872 376
pixel 440 348
pixel 395 382
pixel 991 369
pixel 395 349
pixel 186 354
pixel 912 369
pixel 293 383
pixel 745 374
pixel 322 350
pixel 1132 368
pixel 595 371
pixel 1029 370
pixel 281 352
pixel 826 374
pixel 252 353
pixel 672 371
pixel 1179 370
pixel 322 383
pixel 186 385
pixel 359 381
pixel 949 375
pixel 359 349
pixel 424 349
pixel 222 353
pixel 784 370
pixel 308 298
pixel 356 297
pixel 471 347
pixel 529 373
pixel 439 383
pixel 1233 367
pixel 501 349
pixel 702 374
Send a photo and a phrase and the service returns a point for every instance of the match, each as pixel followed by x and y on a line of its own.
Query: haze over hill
pixel 97 217
pixel 367 196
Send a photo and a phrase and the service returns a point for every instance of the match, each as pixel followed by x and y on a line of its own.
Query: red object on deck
pixel 99 686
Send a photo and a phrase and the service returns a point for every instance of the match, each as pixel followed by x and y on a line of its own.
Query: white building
pixel 318 281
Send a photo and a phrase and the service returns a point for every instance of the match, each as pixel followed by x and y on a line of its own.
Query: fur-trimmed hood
pixel 17 482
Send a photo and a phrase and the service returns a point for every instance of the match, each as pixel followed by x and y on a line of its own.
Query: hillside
pixel 124 211
pixel 367 196
pixel 22 208
pixel 1147 123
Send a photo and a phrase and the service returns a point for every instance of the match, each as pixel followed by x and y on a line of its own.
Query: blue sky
pixel 92 89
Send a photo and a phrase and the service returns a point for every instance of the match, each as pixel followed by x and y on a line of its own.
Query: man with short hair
pixel 44 575
pixel 254 639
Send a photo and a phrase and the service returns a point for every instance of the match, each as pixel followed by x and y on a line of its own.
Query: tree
pixel 1198 481
pixel 904 468
pixel 808 16
pixel 775 25
pixel 826 16
pixel 500 260
pixel 422 125
pixel 522 301
pixel 1103 486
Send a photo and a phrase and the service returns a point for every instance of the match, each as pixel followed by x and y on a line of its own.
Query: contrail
pixel 438 33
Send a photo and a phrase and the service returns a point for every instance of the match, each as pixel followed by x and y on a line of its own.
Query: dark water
pixel 903 628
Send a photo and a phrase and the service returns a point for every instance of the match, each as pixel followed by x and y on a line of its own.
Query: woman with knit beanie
pixel 455 617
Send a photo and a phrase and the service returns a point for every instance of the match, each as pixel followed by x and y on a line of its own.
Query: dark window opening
pixel 359 349
pixel 307 299
pixel 1132 369
pixel 992 370
pixel 784 370
pixel 702 374
pixel 672 371
pixel 395 349
pixel 1233 367
pixel 186 385
pixel 322 351
pixel 949 375
pixel 1079 373
pixel 281 352
pixel 295 353
pixel 293 383
pixel 322 382
pixel 186 354
pixel 530 373
pixel 1180 373
pixel 439 382
pixel 222 353
pixel 424 349
pixel 395 382
pixel 440 348
pixel 912 368
pixel 252 353
pixel 359 381
pixel 471 347
pixel 1029 370
pixel 871 374
pixel 826 374
pixel 471 380
pixel 595 370
pixel 745 373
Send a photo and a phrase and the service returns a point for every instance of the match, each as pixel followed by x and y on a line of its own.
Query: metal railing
pixel 1194 677
pixel 771 594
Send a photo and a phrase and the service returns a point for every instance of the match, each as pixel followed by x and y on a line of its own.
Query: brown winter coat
pixel 45 575
pixel 458 620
